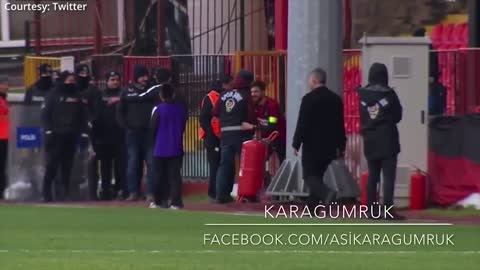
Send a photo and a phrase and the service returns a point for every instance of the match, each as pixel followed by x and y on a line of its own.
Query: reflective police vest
pixel 215 122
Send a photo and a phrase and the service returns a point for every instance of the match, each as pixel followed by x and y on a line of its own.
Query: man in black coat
pixel 321 134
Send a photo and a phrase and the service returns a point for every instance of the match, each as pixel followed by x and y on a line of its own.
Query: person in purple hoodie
pixel 167 125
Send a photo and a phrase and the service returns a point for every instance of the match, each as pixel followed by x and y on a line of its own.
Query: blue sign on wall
pixel 29 137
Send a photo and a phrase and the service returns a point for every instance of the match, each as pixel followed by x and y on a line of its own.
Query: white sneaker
pixel 174 207
pixel 153 205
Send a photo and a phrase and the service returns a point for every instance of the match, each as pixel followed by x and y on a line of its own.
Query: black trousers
pixel 60 152
pixel 318 190
pixel 389 169
pixel 168 181
pixel 3 166
pixel 213 157
pixel 113 158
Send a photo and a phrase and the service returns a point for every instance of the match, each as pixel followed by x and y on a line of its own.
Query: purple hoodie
pixel 168 125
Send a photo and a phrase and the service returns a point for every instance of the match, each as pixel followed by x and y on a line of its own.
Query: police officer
pixel 89 91
pixel 210 130
pixel 380 113
pixel 235 111
pixel 37 92
pixel 134 115
pixel 65 121
pixel 108 139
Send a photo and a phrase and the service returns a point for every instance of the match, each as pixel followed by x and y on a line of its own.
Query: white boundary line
pixel 322 224
pixel 467 252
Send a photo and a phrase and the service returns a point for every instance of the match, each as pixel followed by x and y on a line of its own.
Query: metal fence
pixel 468 80
pixel 447 67
pixel 352 79
pixel 195 75
pixel 102 64
pixel 270 67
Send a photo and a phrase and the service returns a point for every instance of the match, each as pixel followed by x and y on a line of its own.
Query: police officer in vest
pixel 237 117
pixel 210 130
pixel 37 92
pixel 65 122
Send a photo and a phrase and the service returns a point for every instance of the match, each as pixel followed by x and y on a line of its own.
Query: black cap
pixel 82 68
pixel 111 74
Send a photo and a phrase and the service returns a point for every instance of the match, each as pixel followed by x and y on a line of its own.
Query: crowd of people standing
pixel 139 129
pixel 136 131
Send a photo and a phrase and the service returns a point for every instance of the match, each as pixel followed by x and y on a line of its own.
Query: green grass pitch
pixel 47 238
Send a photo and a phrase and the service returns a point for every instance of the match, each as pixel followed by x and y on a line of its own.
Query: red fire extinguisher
pixel 418 184
pixel 363 188
pixel 252 166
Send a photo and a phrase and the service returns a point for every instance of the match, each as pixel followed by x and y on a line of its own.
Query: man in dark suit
pixel 321 134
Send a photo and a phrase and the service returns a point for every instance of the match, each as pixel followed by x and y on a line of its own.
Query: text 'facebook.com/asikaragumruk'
pixel 327 239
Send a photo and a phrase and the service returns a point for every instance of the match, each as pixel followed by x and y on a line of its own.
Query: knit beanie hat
pixel 139 71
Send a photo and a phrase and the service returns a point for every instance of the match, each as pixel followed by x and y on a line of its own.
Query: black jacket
pixel 65 112
pixel 91 95
pixel 133 111
pixel 320 129
pixel 380 112
pixel 206 115
pixel 36 95
pixel 105 127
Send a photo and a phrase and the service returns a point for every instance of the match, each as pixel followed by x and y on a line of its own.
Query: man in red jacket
pixel 4 127
pixel 269 117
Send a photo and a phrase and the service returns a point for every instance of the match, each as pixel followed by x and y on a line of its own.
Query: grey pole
pixel 314 40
